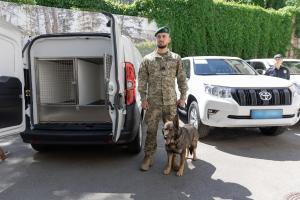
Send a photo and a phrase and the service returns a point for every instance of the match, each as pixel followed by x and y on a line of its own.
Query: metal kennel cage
pixel 72 90
pixel 56 81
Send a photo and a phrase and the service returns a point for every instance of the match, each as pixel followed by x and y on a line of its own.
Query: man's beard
pixel 161 46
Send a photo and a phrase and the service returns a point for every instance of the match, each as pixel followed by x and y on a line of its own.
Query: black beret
pixel 163 29
pixel 278 56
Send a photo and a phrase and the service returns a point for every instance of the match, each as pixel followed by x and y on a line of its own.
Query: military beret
pixel 163 29
pixel 278 56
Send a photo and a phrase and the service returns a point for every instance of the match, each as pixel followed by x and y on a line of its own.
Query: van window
pixel 187 67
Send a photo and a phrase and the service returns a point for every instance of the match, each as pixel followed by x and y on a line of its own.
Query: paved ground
pixel 234 164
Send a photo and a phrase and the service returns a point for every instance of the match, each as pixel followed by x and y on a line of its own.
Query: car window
pixel 222 67
pixel 258 65
pixel 293 66
pixel 187 67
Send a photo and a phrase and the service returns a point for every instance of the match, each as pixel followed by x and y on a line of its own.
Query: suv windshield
pixel 293 66
pixel 222 67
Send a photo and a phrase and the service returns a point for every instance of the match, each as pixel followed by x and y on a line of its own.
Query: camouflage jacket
pixel 157 75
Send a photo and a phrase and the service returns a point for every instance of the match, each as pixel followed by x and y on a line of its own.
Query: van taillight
pixel 130 83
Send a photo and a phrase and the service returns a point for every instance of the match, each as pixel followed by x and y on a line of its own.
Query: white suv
pixel 227 92
pixel 70 88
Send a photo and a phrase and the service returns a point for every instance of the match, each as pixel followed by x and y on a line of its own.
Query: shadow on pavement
pixel 110 173
pixel 249 142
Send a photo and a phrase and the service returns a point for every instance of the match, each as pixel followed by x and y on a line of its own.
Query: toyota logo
pixel 265 96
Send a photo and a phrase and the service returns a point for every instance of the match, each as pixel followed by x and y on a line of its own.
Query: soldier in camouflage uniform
pixel 157 76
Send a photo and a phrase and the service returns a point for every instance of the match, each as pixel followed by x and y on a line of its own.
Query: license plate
pixel 266 114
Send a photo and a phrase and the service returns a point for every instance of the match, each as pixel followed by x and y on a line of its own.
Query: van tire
pixel 40 147
pixel 135 146
pixel 194 118
pixel 273 130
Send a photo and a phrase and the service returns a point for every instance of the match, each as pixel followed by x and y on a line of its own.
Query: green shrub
pixel 218 28
pixel 206 27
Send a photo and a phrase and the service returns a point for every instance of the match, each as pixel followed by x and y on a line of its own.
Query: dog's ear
pixel 176 121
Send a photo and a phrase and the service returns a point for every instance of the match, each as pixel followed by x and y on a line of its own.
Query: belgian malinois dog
pixel 179 140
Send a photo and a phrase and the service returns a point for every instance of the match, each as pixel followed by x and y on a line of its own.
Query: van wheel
pixel 272 131
pixel 135 146
pixel 40 147
pixel 194 118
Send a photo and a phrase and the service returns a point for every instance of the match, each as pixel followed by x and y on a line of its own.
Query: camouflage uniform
pixel 157 76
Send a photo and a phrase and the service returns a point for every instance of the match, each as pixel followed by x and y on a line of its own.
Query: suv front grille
pixel 252 97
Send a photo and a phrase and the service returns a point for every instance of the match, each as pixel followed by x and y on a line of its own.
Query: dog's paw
pixel 179 173
pixel 167 171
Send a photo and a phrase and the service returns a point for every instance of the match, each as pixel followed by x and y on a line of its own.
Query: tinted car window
pixel 222 67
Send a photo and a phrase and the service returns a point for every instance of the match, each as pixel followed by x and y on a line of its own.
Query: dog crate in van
pixel 79 88
pixel 72 89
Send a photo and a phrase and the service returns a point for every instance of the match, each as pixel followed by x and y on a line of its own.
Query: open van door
pixel 116 81
pixel 12 113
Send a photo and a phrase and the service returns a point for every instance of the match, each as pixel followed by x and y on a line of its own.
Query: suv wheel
pixel 136 145
pixel 194 118
pixel 40 147
pixel 272 131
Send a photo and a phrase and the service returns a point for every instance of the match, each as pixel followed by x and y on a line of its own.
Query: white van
pixel 70 88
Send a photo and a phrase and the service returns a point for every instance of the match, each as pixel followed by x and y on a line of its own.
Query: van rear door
pixel 12 112
pixel 116 83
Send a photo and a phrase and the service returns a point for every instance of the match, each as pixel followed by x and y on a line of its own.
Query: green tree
pixel 276 4
pixel 293 3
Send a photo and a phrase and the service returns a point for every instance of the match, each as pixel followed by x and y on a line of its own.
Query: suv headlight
pixel 218 91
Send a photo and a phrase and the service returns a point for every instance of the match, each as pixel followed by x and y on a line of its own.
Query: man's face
pixel 162 40
pixel 278 61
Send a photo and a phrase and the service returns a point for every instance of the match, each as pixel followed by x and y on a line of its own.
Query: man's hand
pixel 181 102
pixel 145 105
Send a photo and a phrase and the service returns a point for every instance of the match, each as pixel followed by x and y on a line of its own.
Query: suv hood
pixel 245 81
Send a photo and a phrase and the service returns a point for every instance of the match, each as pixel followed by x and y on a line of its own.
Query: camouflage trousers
pixel 153 116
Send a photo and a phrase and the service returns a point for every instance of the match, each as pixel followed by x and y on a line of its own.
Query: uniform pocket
pixel 171 67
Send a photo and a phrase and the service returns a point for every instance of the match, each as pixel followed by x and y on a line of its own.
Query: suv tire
pixel 40 147
pixel 194 118
pixel 273 130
